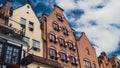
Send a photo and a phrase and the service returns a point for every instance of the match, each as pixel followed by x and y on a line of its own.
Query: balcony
pixel 11 34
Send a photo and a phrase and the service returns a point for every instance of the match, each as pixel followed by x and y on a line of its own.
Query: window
pixel 87 64
pixel 65 31
pixel 35 45
pixel 23 21
pixel 70 45
pixel 72 59
pixel 53 54
pixel 26 39
pixel 62 42
pixel 63 56
pixel 56 27
pixel 87 52
pixel 1 45
pixel 31 26
pixel 94 65
pixel 59 17
pixel 53 38
pixel 12 55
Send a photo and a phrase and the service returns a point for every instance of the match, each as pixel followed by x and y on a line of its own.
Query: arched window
pixel 63 56
pixel 70 45
pixel 87 64
pixel 94 65
pixel 56 26
pixel 53 54
pixel 53 38
pixel 65 31
pixel 62 42
pixel 59 17
pixel 87 52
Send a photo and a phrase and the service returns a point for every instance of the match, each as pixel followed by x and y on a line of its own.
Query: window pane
pixel 63 56
pixel 22 21
pixel 8 54
pixel 35 43
pixel 94 65
pixel 1 48
pixel 31 24
pixel 26 39
pixel 15 56
pixel 52 52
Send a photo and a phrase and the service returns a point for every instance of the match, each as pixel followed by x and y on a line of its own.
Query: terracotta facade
pixel 87 53
pixel 49 29
pixel 104 61
pixel 115 61
pixel 4 13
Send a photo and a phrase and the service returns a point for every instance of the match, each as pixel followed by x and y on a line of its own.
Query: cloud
pixel 119 56
pixel 100 21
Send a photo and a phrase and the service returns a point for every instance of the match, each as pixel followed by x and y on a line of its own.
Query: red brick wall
pixel 83 44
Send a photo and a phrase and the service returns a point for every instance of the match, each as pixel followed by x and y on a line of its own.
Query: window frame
pixel 63 56
pixel 87 51
pixel 31 26
pixel 65 31
pixel 22 21
pixel 59 17
pixel 35 47
pixel 61 41
pixel 70 45
pixel 52 38
pixel 26 39
pixel 87 64
pixel 56 26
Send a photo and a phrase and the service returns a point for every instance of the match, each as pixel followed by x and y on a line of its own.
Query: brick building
pixel 87 53
pixel 115 61
pixel 104 61
pixel 59 40
pixel 4 13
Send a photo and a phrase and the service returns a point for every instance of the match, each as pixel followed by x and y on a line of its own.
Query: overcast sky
pixel 99 19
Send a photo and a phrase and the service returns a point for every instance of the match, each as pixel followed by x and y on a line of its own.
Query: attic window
pixel 31 26
pixel 59 17
pixel 28 6
pixel 27 12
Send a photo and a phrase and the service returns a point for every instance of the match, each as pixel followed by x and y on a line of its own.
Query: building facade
pixel 104 61
pixel 59 41
pixel 115 61
pixel 24 19
pixel 4 13
pixel 87 54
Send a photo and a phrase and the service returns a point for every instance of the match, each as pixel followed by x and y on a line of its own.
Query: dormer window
pixel 31 26
pixel 53 38
pixel 59 17
pixel 65 31
pixel 56 27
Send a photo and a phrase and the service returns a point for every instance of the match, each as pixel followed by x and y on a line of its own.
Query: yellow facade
pixel 36 65
pixel 27 13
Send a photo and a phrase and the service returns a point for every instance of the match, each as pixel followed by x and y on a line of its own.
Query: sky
pixel 99 19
